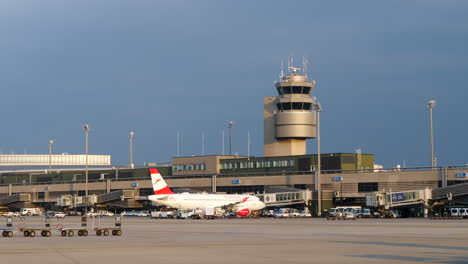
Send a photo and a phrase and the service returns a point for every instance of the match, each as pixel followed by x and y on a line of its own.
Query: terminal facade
pixel 289 120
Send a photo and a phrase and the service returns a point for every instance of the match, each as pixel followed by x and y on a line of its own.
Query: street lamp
pixel 86 130
pixel 131 149
pixel 318 109
pixel 50 155
pixel 430 105
pixel 231 124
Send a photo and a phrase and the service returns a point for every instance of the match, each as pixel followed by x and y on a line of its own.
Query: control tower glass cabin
pixel 288 117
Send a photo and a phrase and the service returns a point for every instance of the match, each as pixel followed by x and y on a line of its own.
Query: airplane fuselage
pixel 190 201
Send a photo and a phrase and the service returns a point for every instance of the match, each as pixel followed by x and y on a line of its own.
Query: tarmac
pixel 262 240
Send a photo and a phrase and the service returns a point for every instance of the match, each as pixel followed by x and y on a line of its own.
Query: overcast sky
pixel 162 67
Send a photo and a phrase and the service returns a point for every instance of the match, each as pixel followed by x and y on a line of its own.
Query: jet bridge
pixel 391 199
pixel 450 191
pixel 286 198
pixel 117 198
pixel 385 201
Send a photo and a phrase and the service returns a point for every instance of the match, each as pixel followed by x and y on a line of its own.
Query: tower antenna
pixel 248 145
pixel 222 138
pixel 178 144
pixel 203 143
pixel 305 62
pixel 281 72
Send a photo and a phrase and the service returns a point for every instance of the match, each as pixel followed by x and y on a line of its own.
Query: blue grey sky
pixel 162 67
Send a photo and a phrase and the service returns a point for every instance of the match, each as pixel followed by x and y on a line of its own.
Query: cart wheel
pixel 4 233
pixel 10 233
pixel 32 234
pixel 43 233
pixel 106 232
pixel 113 232
pixel 80 233
pixel 48 233
pixel 71 233
pixel 118 232
pixel 26 233
pixel 85 232
pixel 64 233
pixel 98 233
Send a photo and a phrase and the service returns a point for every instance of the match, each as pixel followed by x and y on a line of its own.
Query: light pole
pixel 318 109
pixel 86 130
pixel 430 105
pixel 131 149
pixel 231 124
pixel 50 155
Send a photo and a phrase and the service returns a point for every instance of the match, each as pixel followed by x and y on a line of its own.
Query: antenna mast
pixel 281 72
pixel 222 135
pixel 203 143
pixel 248 145
pixel 305 62
pixel 178 144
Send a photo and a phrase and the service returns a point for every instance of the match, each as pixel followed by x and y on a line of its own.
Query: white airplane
pixel 241 204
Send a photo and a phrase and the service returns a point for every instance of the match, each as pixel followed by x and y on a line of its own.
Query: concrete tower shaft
pixel 288 117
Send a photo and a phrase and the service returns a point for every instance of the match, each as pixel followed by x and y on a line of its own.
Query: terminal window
pixel 368 187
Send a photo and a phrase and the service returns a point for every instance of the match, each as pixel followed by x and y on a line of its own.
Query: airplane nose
pixel 262 204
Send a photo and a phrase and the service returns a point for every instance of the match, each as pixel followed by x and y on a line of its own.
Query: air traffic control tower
pixel 289 119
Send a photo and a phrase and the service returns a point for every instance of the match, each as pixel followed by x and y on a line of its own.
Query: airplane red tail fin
pixel 159 184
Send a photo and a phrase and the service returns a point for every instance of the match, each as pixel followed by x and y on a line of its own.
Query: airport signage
pixel 398 197
pixel 235 181
pixel 338 178
pixel 460 175
pixel 135 184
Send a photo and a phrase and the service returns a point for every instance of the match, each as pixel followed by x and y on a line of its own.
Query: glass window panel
pixel 280 91
pixel 278 105
pixel 297 89
pixel 297 105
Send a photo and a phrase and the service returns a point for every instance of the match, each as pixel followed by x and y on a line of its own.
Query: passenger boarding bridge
pixel 284 199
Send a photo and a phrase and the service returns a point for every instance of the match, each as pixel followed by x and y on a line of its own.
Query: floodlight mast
pixel 86 130
pixel 231 124
pixel 431 105
pixel 50 155
pixel 318 109
pixel 131 149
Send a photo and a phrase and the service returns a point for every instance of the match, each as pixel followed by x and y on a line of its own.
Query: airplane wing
pixel 160 198
pixel 164 198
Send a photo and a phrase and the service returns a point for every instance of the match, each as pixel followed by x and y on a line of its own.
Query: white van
pixel 31 211
pixel 459 212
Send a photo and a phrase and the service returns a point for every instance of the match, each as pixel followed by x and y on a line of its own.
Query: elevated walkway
pixel 115 195
pixel 450 191
pixel 286 198
pixel 391 199
pixel 21 197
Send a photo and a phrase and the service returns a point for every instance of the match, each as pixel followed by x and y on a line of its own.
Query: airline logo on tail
pixel 159 184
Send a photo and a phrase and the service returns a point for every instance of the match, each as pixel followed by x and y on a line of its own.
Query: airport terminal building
pixel 290 118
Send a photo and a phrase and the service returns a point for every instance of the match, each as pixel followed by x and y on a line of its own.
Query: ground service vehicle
pixel 55 214
pixel 31 211
pixel 459 212
pixel 287 212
